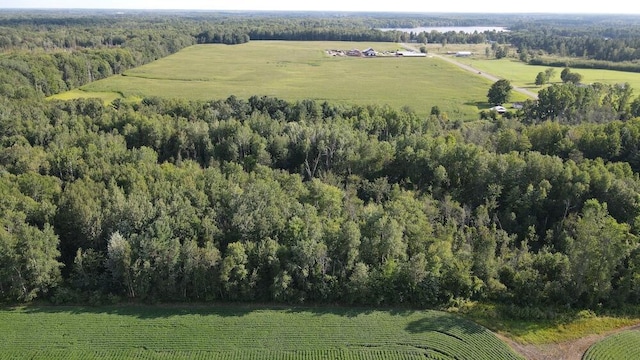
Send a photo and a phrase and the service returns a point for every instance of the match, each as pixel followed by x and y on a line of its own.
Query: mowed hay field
pixel 233 332
pixel 303 70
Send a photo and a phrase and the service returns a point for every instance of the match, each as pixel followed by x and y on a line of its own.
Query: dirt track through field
pixel 491 77
pixel 568 350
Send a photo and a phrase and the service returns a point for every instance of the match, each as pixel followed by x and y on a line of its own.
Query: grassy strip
pixel 544 326
pixel 524 75
pixel 582 63
pixel 106 97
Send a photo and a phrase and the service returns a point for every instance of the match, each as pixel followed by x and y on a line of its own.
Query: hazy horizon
pixel 613 7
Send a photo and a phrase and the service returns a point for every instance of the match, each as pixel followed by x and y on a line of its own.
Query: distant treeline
pixel 31 74
pixel 599 45
pixel 44 53
pixel 45 56
pixel 582 63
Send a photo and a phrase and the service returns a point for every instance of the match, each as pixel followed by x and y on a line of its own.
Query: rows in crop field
pixel 624 345
pixel 460 338
pixel 248 334
pixel 227 355
pixel 235 355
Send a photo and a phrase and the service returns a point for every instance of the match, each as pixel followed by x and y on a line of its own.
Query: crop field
pixel 524 75
pixel 302 70
pixel 234 332
pixel 624 345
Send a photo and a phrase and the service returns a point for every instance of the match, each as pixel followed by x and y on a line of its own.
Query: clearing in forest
pixel 296 70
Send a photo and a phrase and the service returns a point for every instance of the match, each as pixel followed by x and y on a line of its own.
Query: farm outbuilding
pixel 369 52
pixel 410 54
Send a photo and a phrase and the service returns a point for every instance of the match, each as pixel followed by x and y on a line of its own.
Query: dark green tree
pixel 541 79
pixel 502 52
pixel 573 78
pixel 499 92
pixel 570 77
pixel 563 74
pixel 635 107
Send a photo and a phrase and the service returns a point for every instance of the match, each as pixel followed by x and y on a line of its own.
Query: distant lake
pixel 444 29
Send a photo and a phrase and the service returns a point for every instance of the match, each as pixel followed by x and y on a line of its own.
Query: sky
pixel 460 6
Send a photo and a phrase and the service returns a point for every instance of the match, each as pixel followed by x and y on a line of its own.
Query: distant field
pixel 523 75
pixel 301 70
pixel 241 333
pixel 107 97
pixel 624 345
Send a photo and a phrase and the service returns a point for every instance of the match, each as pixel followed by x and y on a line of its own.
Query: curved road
pixel 491 77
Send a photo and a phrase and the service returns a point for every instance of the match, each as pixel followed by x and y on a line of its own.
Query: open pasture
pixel 302 70
pixel 233 332
pixel 524 75
pixel 624 345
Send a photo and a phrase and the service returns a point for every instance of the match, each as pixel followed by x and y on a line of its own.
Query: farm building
pixel 410 54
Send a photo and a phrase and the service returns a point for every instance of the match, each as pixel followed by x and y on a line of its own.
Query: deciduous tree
pixel 499 92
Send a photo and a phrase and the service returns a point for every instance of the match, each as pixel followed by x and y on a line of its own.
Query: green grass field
pixel 107 97
pixel 234 332
pixel 302 70
pixel 294 70
pixel 524 75
pixel 562 326
pixel 624 345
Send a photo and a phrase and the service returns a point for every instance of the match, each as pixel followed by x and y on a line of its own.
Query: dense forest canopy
pixel 263 199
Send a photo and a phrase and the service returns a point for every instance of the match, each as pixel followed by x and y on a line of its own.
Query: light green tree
pixel 28 259
pixel 119 262
pixel 234 273
pixel 597 246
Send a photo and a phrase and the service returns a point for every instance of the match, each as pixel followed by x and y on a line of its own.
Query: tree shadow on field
pixel 444 323
pixel 481 105
pixel 143 311
pixel 148 311
pixel 348 311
